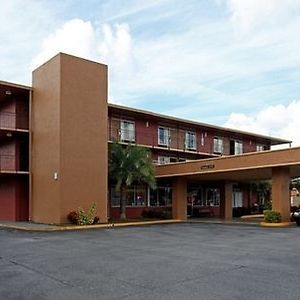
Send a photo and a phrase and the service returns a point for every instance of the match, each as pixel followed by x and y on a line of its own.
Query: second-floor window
pixel 218 144
pixel 162 160
pixel 190 140
pixel 238 147
pixel 163 136
pixel 259 148
pixel 127 131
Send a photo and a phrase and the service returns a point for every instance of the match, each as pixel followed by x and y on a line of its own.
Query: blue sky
pixel 227 62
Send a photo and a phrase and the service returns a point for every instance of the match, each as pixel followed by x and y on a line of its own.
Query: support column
pixel 226 201
pixel 281 192
pixel 179 199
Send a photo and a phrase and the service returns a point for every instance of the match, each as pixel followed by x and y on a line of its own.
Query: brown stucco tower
pixel 69 139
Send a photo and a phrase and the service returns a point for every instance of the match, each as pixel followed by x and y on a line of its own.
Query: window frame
pixel 216 147
pixel 130 134
pixel 260 147
pixel 163 159
pixel 188 135
pixel 240 147
pixel 166 142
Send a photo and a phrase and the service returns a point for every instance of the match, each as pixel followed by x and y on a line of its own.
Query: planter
pixel 277 225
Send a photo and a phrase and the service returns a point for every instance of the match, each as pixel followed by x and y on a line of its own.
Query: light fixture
pixel 9 134
pixel 8 93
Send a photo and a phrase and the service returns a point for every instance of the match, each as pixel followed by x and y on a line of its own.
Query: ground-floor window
pixel 141 195
pixel 135 195
pixel 196 196
pixel 237 198
pixel 161 196
pixel 213 197
pixel 200 196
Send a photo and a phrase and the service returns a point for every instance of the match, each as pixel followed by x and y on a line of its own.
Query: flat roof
pixel 273 140
pixel 15 85
pixel 249 166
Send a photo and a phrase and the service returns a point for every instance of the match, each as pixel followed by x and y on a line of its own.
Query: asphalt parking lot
pixel 176 261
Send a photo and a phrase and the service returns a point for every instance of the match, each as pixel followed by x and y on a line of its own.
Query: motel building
pixel 54 139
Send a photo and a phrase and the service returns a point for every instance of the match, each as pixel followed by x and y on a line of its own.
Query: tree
pixel 128 165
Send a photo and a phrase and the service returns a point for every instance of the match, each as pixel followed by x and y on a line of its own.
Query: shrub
pixel 266 206
pixel 86 218
pixel 272 216
pixel 73 217
pixel 96 220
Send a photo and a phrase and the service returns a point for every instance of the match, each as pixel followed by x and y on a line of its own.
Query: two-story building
pixel 54 139
pixel 172 140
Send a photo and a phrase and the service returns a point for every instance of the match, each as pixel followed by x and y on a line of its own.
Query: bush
pixel 272 216
pixel 96 220
pixel 73 217
pixel 86 218
pixel 80 217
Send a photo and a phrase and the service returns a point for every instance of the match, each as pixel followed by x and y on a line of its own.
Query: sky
pixel 234 63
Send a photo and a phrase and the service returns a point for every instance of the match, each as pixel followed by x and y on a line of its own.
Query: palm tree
pixel 128 165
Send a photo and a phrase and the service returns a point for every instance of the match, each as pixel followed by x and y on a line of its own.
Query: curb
pixel 277 225
pixel 55 228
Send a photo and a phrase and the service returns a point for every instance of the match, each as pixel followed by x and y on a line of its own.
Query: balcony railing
pixel 13 121
pixel 11 163
pixel 176 140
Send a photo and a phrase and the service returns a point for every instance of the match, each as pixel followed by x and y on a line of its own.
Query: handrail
pixel 10 120
pixel 176 140
pixel 11 163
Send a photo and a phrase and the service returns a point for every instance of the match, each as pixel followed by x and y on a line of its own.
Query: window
pixel 190 140
pixel 162 196
pixel 259 148
pixel 238 147
pixel 127 131
pixel 237 198
pixel 135 195
pixel 195 196
pixel 213 197
pixel 163 136
pixel 218 144
pixel 163 160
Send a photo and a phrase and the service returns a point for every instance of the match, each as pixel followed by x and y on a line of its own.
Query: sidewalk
pixel 30 226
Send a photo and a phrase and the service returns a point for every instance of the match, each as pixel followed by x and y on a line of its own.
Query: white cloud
pixel 111 45
pixel 74 37
pixel 251 14
pixel 115 45
pixel 278 120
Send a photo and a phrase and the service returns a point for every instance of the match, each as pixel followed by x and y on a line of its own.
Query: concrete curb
pixel 277 225
pixel 51 228
pixel 252 216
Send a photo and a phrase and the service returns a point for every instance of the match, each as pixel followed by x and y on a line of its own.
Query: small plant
pixel 73 217
pixel 86 218
pixel 272 216
pixel 96 220
pixel 266 206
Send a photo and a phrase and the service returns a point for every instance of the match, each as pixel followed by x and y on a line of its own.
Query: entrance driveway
pixel 176 261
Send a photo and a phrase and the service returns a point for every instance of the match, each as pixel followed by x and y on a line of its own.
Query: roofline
pixel 274 140
pixel 58 54
pixel 16 85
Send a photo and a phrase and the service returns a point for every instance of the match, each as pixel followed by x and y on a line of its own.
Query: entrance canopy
pixel 250 166
pixel 278 165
